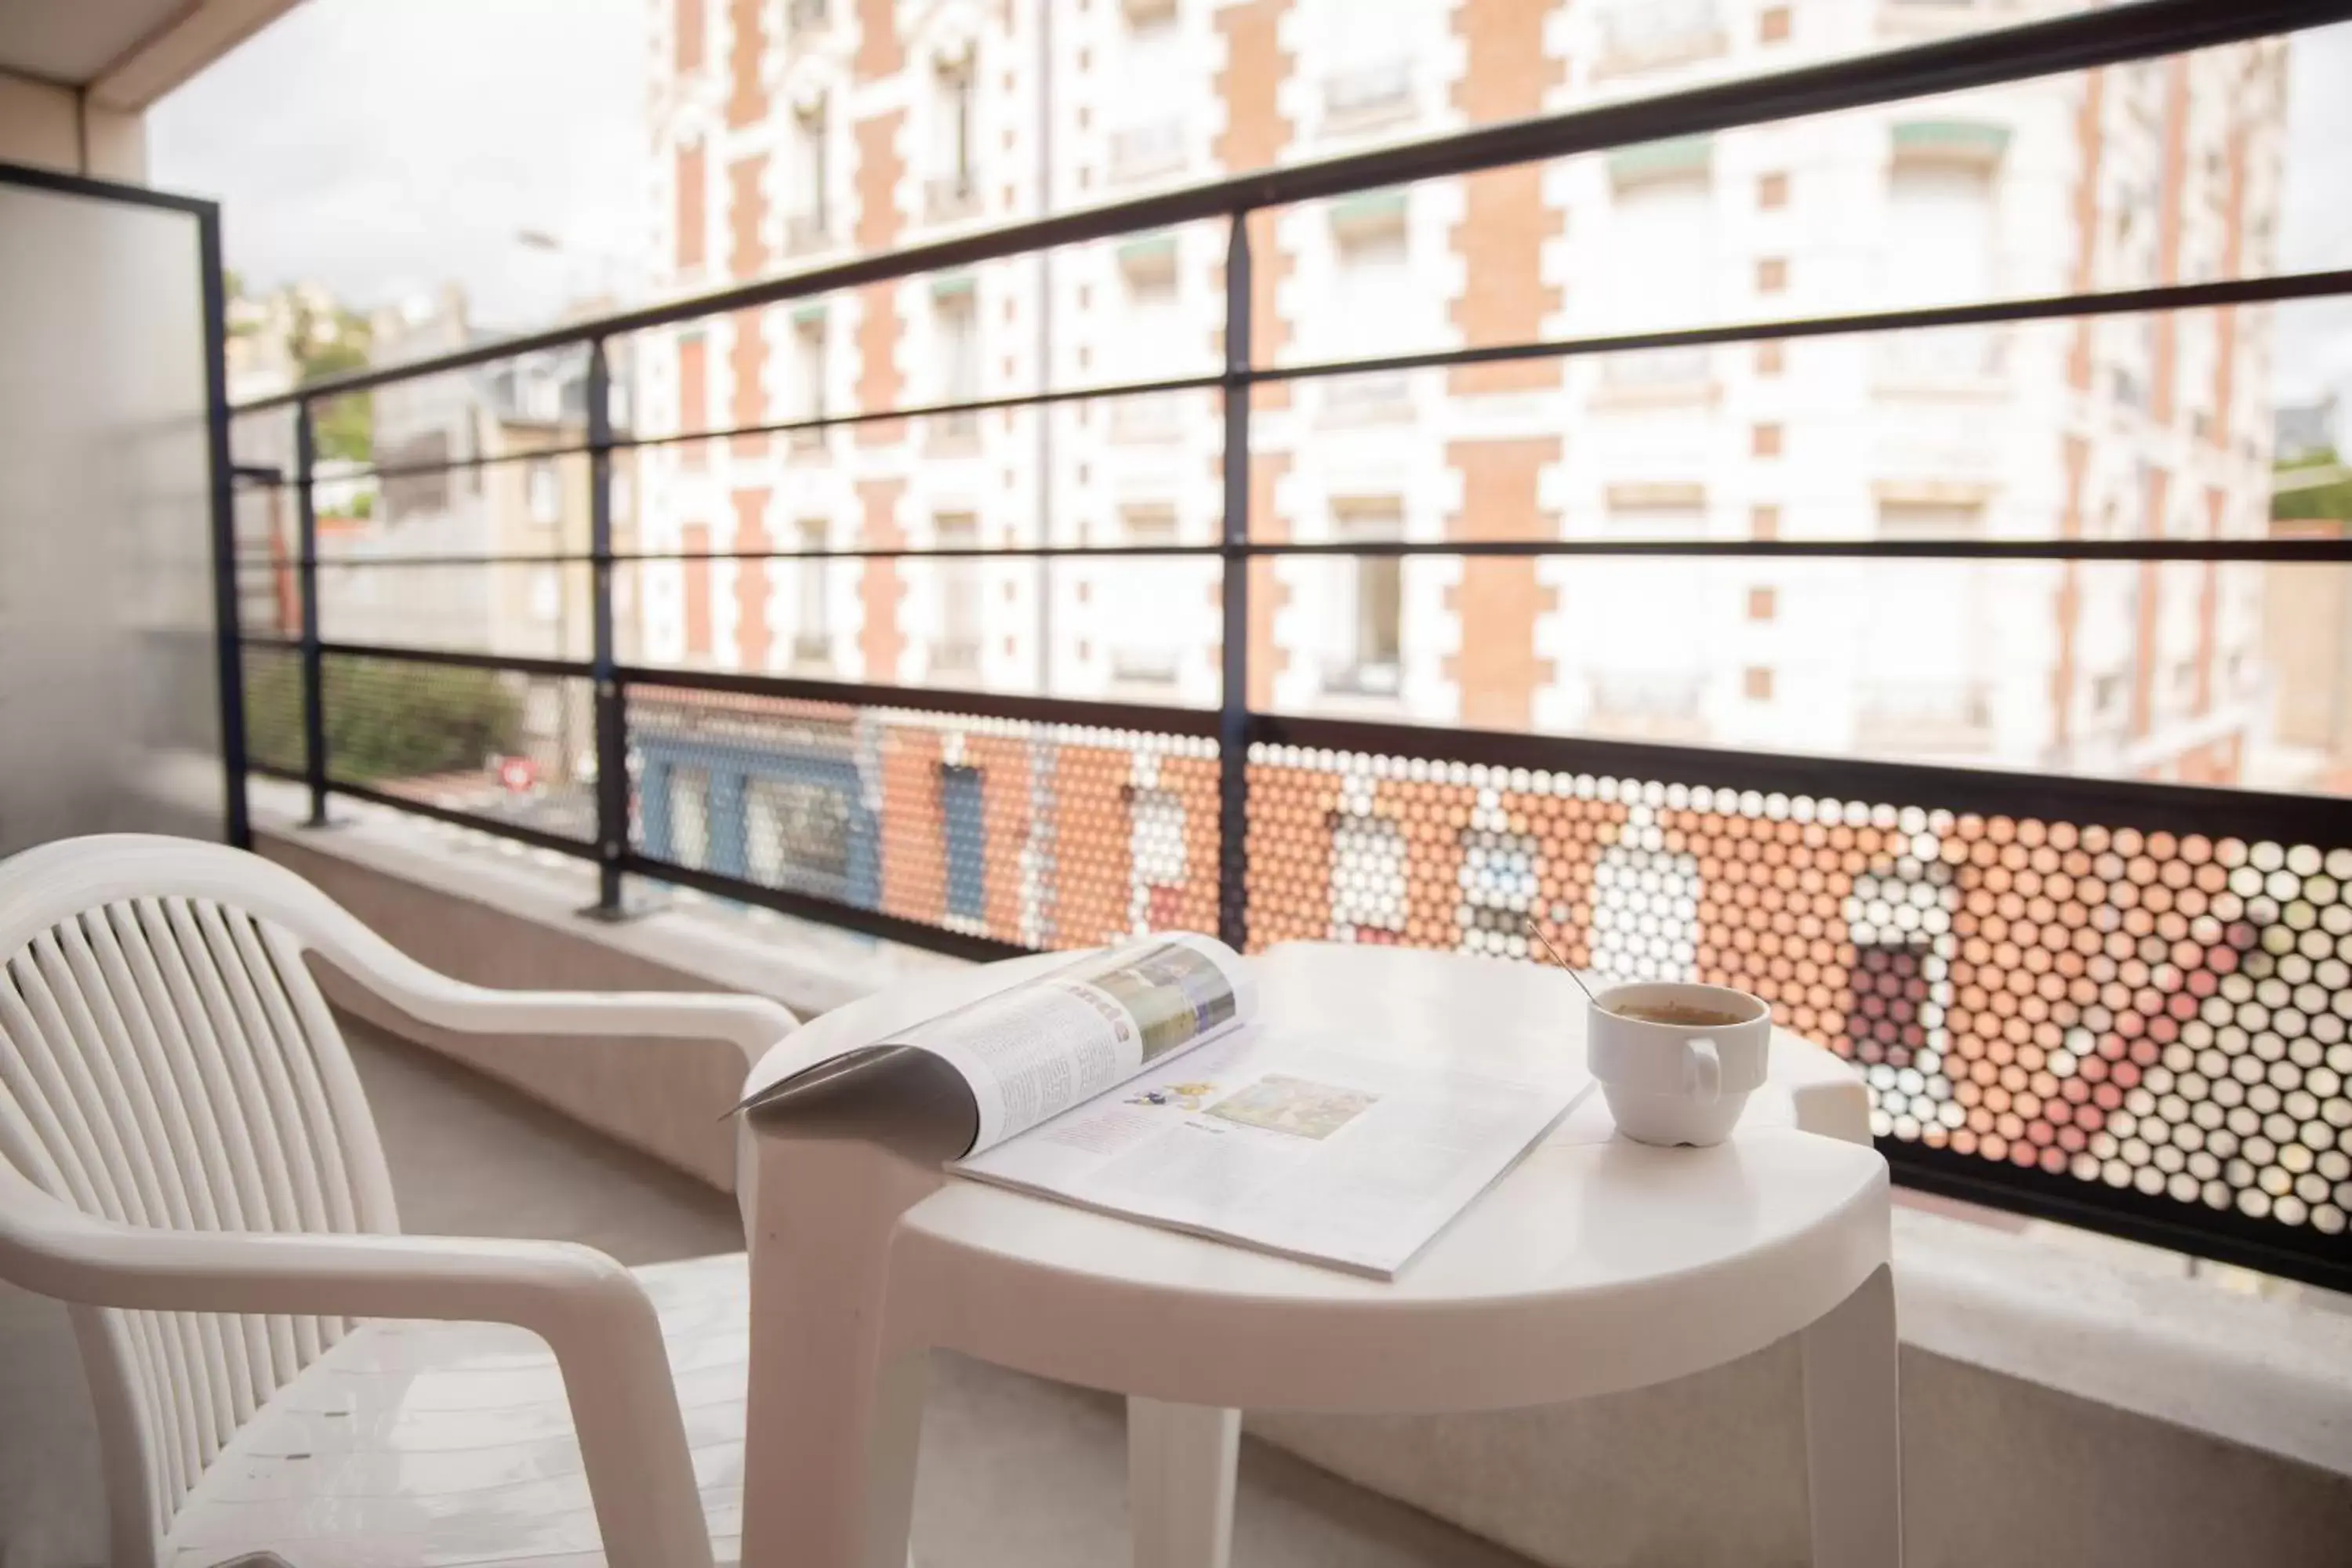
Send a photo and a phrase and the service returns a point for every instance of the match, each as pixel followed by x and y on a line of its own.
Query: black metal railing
pixel 2116 1002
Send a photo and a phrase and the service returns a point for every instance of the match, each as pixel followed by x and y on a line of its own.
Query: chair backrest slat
pixel 167 1061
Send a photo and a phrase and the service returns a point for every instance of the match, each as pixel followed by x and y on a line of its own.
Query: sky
pixel 380 147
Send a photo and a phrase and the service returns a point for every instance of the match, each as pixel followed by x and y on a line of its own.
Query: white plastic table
pixel 1595 1265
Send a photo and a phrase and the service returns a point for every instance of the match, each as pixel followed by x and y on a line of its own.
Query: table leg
pixel 1180 1483
pixel 1854 1460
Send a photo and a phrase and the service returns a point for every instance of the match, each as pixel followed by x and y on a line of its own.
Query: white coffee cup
pixel 1669 1082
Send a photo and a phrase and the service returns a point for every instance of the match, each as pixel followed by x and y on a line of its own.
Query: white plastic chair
pixel 187 1156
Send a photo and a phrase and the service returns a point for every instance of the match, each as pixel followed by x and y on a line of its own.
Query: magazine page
pixel 1031 1051
pixel 1034 1052
pixel 1300 1146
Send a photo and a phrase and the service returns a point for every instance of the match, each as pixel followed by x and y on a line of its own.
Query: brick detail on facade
pixel 914 824
pixel 747 93
pixel 878 589
pixel 687 23
pixel 1505 218
pixel 2089 143
pixel 2147 625
pixel 2163 377
pixel 2233 265
pixel 2070 595
pixel 1497 671
pixel 880 52
pixel 692 206
pixel 880 167
pixel 747 361
pixel 1267 593
pixel 693 397
pixel 1255 137
pixel 751 580
pixel 1004 764
pixel 694 541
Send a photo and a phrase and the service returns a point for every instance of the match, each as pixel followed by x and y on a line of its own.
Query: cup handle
pixel 1702 1071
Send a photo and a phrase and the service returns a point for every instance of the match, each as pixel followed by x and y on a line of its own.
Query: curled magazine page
pixel 1034 1051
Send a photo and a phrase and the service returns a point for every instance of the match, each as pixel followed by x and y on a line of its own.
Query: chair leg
pixel 892 1439
pixel 1180 1483
pixel 1853 1459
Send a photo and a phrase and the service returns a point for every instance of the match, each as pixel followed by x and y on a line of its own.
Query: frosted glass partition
pixel 110 697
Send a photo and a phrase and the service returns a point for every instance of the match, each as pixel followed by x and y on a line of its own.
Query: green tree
pixel 346 426
pixel 384 720
pixel 2328 501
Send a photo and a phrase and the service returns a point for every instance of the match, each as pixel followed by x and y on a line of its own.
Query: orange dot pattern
pixel 2145 1011
pixel 1082 835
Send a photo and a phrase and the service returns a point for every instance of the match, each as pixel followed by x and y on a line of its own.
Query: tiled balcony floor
pixel 1015 1470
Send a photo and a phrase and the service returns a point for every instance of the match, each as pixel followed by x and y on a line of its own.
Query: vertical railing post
pixel 1233 710
pixel 612 713
pixel 314 692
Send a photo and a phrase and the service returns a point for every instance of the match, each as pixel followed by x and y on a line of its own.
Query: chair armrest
pixel 590 1309
pixel 751 1024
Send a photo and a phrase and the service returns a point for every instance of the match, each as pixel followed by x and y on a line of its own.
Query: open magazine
pixel 1137 1081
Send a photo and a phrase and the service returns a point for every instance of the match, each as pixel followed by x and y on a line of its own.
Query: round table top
pixel 1593 1264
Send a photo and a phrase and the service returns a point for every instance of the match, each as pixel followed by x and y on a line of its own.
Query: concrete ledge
pixel 2062 1403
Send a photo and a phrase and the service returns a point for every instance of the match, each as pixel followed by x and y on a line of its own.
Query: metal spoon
pixel 1537 932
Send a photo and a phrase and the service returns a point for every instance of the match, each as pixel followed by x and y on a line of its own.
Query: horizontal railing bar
pixel 2276 288
pixel 1048 397
pixel 460 658
pixel 1082 712
pixel 2270 290
pixel 271 769
pixel 2147 805
pixel 537 838
pixel 827 912
pixel 454 464
pixel 2274 551
pixel 2107 37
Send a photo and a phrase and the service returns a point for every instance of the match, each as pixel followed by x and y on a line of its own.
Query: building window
pixel 1764 522
pixel 1773 190
pixel 805 229
pixel 807 387
pixel 1372 305
pixel 1500 886
pixel 1370 79
pixel 1644 912
pixel 1941 246
pixel 964 818
pixel 955 181
pixel 1772 275
pixel 546 491
pixel 1368 881
pixel 812 637
pixel 690 817
pixel 958 328
pixel 1770 358
pixel 1647 34
pixel 1140 623
pixel 1763 603
pixel 1369 603
pixel 1156 851
pixel 797 835
pixel 1659 270
pixel 1148 134
pixel 546 595
pixel 1152 343
pixel 1758 684
pixel 957 653
pixel 1774 25
pixel 1764 441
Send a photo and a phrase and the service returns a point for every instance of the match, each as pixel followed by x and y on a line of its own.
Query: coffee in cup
pixel 1677 1062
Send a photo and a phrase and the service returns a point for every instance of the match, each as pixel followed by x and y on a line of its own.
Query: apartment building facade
pixel 788 133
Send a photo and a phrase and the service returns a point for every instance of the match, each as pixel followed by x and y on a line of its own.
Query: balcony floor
pixel 1015 1470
